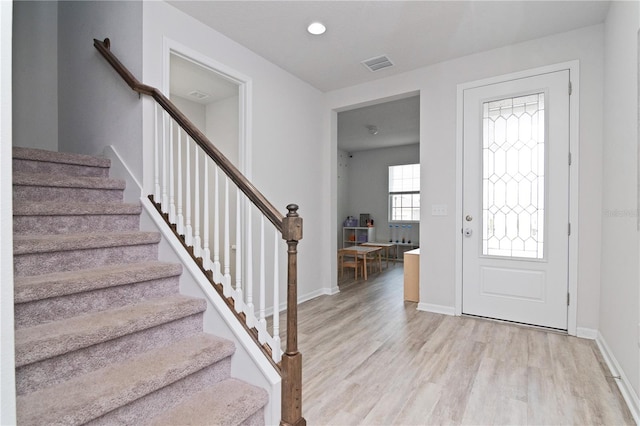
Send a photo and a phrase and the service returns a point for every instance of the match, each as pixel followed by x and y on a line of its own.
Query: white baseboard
pixel 586 333
pixel 627 391
pixel 437 309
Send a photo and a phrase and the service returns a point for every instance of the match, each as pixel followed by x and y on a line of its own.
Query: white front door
pixel 516 200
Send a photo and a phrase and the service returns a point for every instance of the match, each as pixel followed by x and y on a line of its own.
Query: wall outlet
pixel 438 210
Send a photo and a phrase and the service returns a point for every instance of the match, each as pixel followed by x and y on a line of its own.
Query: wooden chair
pixel 374 260
pixel 347 260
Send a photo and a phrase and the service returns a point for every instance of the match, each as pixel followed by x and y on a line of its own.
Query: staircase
pixel 103 335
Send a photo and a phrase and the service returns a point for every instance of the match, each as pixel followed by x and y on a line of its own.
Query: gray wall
pixel 35 74
pixel 95 107
pixel 368 185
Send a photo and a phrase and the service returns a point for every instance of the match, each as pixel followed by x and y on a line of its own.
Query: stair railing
pixel 187 186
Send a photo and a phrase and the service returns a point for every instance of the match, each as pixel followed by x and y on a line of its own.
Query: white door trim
pixel 245 91
pixel 574 102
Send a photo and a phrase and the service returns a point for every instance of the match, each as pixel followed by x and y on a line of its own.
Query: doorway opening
pixel 376 144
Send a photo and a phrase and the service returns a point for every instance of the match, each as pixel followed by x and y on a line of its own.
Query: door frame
pixel 574 103
pixel 245 91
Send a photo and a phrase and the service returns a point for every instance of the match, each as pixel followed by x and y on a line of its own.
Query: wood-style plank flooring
pixel 372 359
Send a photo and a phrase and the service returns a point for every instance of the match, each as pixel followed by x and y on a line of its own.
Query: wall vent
pixel 377 63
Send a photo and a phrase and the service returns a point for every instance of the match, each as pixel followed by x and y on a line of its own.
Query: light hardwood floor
pixel 372 359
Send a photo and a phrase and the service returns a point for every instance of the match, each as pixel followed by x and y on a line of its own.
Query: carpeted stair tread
pixel 89 396
pixel 26 244
pixel 229 402
pixel 58 337
pixel 33 154
pixel 44 208
pixel 38 287
pixel 66 181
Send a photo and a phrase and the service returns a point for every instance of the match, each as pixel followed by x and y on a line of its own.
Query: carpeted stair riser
pixel 40 263
pixel 57 218
pixel 55 370
pixel 39 161
pixel 61 188
pixel 35 255
pixel 229 401
pixel 140 410
pixel 57 338
pixel 27 225
pixel 38 193
pixel 29 166
pixel 38 287
pixel 141 383
pixel 56 308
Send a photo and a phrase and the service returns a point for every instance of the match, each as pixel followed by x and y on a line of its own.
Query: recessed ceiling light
pixel 316 28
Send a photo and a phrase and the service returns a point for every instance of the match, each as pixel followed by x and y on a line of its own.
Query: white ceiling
pixel 398 123
pixel 413 34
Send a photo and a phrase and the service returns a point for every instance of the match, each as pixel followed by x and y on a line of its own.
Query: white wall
pixel 369 185
pixel 194 111
pixel 437 85
pixel 96 108
pixel 286 131
pixel 35 74
pixel 619 306
pixel 222 124
pixel 343 164
pixel 7 359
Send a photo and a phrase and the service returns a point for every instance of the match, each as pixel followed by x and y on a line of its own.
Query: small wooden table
pixel 386 247
pixel 363 251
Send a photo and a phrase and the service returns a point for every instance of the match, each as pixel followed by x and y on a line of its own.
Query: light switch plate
pixel 438 210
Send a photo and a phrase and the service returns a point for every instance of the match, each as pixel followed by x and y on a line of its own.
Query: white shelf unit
pixel 356 235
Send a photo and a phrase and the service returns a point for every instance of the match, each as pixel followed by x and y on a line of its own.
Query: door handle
pixel 469 218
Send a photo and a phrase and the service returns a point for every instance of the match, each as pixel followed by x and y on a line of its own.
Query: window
pixel 404 193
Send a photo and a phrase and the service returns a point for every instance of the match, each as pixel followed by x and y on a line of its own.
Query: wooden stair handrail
pixel 290 227
pixel 218 157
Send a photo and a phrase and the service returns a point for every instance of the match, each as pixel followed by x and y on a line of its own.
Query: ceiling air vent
pixel 377 63
pixel 198 95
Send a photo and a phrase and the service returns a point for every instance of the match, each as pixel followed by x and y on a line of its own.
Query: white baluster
pixel 156 172
pixel 216 227
pixel 180 217
pixel 197 243
pixel 250 314
pixel 227 257
pixel 188 232
pixel 165 198
pixel 206 254
pixel 276 350
pixel 238 298
pixel 172 200
pixel 262 321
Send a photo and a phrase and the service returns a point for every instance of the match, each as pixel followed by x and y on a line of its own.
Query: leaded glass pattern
pixel 513 166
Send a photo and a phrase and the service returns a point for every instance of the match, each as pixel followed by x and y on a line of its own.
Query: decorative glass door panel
pixel 513 171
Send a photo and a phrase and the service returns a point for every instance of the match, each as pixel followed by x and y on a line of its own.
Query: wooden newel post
pixel 292 359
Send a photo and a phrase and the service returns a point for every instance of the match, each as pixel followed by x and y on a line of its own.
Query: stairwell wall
pixel 96 108
pixel 35 71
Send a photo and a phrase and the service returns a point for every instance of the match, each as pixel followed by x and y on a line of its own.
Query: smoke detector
pixel 198 95
pixel 377 63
